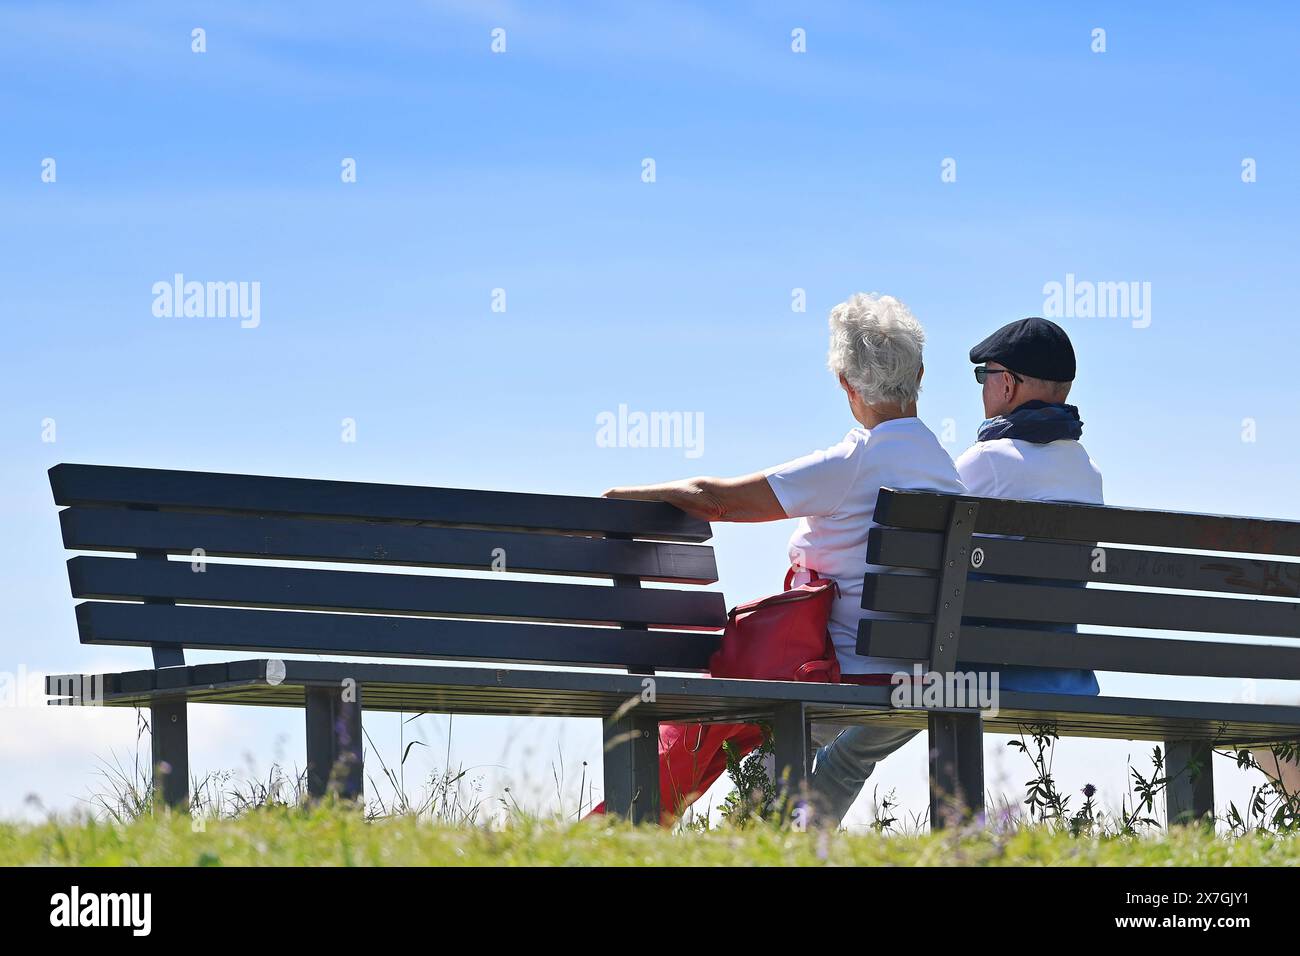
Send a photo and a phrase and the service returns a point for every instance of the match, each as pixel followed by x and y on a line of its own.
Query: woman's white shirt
pixel 833 493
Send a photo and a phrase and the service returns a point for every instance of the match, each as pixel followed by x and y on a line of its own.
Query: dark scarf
pixel 1037 422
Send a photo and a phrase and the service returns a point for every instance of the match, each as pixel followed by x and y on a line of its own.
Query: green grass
pixel 447 820
pixel 337 837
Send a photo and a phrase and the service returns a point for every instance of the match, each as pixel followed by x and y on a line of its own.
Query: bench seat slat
pixel 252 536
pixel 1048 604
pixel 1000 646
pixel 928 511
pixel 260 631
pixel 896 547
pixel 75 484
pixel 380 593
pixel 449 689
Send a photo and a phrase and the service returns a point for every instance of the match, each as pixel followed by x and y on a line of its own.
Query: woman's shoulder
pixel 853 442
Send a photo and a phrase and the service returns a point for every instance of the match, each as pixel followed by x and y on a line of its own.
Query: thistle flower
pixel 1089 790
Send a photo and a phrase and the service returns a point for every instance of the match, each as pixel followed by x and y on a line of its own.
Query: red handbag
pixel 782 637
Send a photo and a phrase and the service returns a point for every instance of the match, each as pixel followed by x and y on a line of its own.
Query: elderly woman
pixel 875 353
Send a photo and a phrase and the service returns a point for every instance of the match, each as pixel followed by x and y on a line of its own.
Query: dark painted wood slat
pixel 198 673
pixel 1152 720
pixel 75 484
pixel 1074 605
pixel 136 681
pixel 365 592
pixel 997 646
pixel 896 547
pixel 253 536
pixel 927 511
pixel 1117 727
pixel 951 583
pixel 169 654
pixel 278 632
pixel 493 690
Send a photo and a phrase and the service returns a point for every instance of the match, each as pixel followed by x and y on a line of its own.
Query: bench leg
pixel 956 769
pixel 792 747
pixel 334 755
pixel 631 760
pixel 170 747
pixel 1189 795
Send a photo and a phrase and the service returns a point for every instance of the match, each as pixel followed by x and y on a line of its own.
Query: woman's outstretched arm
pixel 748 498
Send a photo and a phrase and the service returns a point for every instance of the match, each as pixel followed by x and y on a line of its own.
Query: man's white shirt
pixel 1054 471
pixel 1014 468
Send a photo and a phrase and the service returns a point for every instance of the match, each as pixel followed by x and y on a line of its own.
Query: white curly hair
pixel 876 344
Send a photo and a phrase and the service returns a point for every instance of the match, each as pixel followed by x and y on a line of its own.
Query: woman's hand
pixel 749 498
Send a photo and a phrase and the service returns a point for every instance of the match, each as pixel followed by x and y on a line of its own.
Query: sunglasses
pixel 982 372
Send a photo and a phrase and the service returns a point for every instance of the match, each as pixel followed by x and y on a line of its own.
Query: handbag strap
pixel 789 576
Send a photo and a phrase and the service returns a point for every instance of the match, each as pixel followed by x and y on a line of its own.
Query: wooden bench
pixel 617 651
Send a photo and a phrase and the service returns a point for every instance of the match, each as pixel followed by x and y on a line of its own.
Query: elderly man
pixel 1027 448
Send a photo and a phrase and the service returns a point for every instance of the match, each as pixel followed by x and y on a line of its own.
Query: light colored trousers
pixel 846 757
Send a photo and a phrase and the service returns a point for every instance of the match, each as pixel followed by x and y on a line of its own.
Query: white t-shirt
pixel 1015 468
pixel 1055 471
pixel 833 493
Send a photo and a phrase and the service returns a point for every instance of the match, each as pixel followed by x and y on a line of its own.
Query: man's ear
pixel 920 373
pixel 844 384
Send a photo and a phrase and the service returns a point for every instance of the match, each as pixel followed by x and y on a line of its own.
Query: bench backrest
pixel 389 611
pixel 1034 578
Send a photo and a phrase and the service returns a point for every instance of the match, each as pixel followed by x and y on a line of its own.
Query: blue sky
pixel 521 171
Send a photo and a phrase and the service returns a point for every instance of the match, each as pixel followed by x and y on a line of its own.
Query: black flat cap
pixel 1033 346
